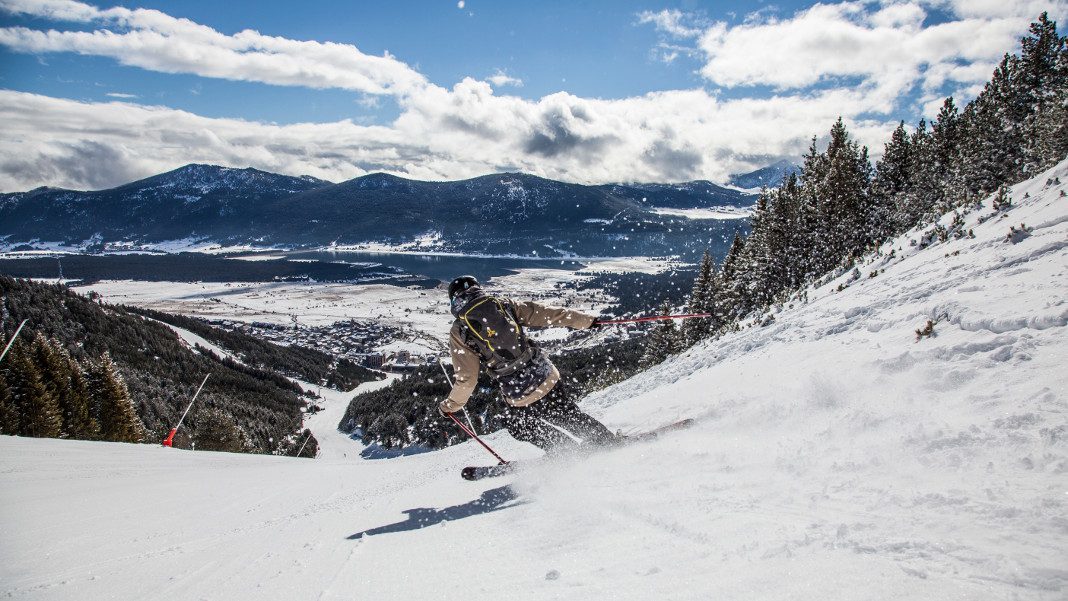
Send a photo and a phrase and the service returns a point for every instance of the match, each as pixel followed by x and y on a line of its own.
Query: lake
pixel 439 267
pixel 321 266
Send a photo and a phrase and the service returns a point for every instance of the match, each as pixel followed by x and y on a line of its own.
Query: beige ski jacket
pixel 466 361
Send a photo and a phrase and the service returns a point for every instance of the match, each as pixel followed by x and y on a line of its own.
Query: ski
pixel 651 434
pixel 475 472
pixel 487 471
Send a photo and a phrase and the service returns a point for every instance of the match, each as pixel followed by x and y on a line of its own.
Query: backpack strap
pixel 506 311
pixel 467 330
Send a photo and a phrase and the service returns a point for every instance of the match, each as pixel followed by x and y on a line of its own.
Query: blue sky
pixel 591 49
pixel 583 91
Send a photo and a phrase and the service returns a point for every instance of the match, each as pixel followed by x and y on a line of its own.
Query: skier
pixel 491 329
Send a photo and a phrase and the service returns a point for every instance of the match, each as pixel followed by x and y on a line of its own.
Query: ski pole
pixel 12 341
pixel 652 318
pixel 464 409
pixel 475 436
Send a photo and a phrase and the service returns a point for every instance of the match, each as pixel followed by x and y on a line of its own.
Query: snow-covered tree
pixel 891 180
pixel 1043 75
pixel 664 340
pixel 116 414
pixel 702 300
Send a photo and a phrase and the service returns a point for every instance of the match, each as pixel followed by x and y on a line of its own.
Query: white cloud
pixel 154 40
pixel 121 95
pixel 468 129
pixel 460 4
pixel 500 79
pixel 442 134
pixel 672 22
pixel 993 9
pixel 887 48
pixel 55 10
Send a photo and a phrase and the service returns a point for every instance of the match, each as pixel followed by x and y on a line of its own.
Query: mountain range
pixel 511 213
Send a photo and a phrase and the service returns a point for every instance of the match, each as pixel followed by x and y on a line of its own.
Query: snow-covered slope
pixel 835 457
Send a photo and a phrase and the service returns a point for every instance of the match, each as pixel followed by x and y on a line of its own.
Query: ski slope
pixel 835 457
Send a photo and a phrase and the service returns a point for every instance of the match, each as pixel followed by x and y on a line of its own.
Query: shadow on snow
pixel 492 500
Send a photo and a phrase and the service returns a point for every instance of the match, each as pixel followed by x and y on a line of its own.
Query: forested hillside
pixel 80 369
pixel 310 365
pixel 838 209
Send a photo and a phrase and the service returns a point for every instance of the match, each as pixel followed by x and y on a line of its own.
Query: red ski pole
pixel 475 436
pixel 653 318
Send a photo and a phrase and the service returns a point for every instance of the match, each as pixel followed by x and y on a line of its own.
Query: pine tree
pixel 730 304
pixel 38 411
pixel 702 300
pixel 786 238
pixel 911 205
pixel 9 413
pixel 891 181
pixel 117 416
pixel 840 189
pixel 984 155
pixel 1043 77
pixel 945 138
pixel 216 430
pixel 79 422
pixel 662 342
pixel 750 282
pixel 63 379
pixel 391 429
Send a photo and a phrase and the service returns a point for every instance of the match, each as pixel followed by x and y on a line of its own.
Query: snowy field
pixel 835 457
pixel 422 314
pixel 711 213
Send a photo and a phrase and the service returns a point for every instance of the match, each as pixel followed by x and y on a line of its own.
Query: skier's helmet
pixel 462 284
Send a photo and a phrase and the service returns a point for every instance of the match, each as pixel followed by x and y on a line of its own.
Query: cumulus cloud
pixel 887 48
pixel 153 40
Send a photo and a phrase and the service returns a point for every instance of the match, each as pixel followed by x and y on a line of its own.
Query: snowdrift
pixel 838 454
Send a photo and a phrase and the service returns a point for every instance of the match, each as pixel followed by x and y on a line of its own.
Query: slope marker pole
pixel 19 329
pixel 169 442
pixel 305 443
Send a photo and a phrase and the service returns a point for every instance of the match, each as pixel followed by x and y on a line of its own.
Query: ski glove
pixel 596 324
pixel 442 411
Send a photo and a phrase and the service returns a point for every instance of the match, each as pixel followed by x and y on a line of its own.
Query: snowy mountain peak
pixel 210 178
pixel 770 176
pixel 378 181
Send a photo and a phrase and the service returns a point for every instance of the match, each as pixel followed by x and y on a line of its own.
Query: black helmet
pixel 462 283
